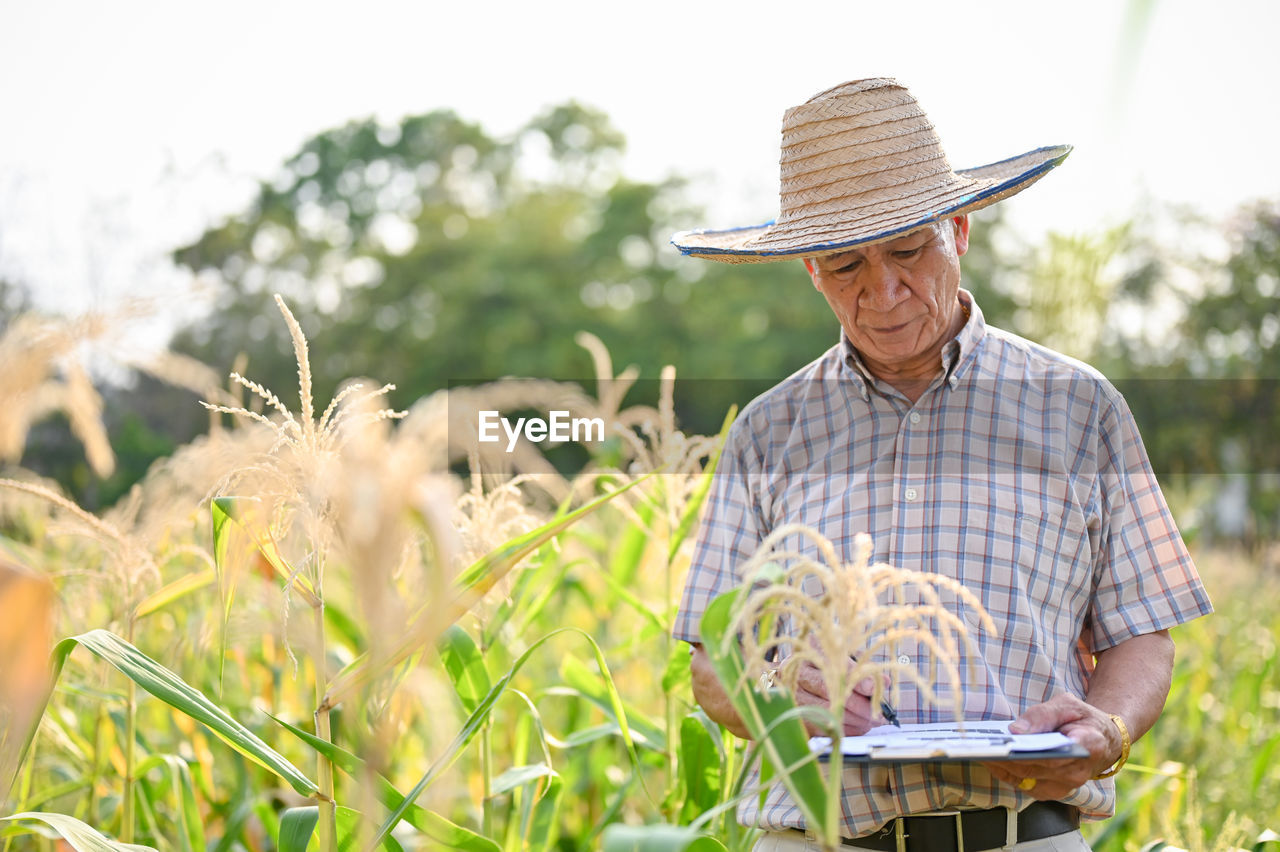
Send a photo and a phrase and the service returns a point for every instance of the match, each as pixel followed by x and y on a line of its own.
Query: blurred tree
pixel 430 252
pixel 1199 342
pixel 1233 341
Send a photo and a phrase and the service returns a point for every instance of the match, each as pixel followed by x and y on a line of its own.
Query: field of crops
pixel 307 630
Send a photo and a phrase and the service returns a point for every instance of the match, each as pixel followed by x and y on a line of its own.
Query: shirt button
pixel 915 417
pixel 910 494
pixel 904 660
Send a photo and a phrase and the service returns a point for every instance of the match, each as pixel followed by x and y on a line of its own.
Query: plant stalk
pixel 669 709
pixel 130 734
pixel 835 783
pixel 486 779
pixel 327 824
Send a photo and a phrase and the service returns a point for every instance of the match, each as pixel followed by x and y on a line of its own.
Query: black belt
pixel 982 829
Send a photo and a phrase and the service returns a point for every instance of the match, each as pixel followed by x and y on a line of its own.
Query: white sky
pixel 129 126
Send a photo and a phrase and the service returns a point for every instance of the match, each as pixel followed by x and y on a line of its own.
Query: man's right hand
pixel 859 715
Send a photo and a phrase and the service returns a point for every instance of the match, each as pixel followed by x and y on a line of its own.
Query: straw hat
pixel 861 164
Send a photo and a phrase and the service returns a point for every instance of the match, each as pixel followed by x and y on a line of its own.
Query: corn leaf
pixel 630 547
pixel 700 768
pixel 188 812
pixel 542 830
pixel 595 688
pixel 349 826
pixel 470 587
pixel 465 664
pixel 676 673
pixel 235 513
pixel 179 588
pixel 770 717
pixel 491 567
pixel 296 828
pixel 177 693
pixel 434 826
pixel 518 776
pixel 83 838
pixel 477 719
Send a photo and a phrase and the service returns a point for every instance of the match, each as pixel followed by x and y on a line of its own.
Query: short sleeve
pixel 1144 578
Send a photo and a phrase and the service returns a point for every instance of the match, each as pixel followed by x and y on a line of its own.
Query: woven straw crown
pixel 861 164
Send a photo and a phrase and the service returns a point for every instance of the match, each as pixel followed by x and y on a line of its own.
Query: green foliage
pixel 174 691
pixel 81 837
pixel 483 257
pixel 431 251
pixel 1214 750
pixel 771 717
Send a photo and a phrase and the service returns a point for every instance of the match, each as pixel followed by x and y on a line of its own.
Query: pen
pixel 888 713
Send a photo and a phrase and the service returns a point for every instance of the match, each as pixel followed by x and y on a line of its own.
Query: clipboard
pixel 948 742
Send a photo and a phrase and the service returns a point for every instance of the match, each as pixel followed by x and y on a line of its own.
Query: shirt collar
pixel 957 353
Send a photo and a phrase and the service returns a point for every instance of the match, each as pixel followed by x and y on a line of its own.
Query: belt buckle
pixel 900 831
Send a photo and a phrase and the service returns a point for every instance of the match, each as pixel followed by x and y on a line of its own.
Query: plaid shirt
pixel 1020 473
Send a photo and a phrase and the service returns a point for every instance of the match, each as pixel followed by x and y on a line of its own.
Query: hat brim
pixel 983 186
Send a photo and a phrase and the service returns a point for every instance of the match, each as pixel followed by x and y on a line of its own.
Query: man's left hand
pixel 1054 779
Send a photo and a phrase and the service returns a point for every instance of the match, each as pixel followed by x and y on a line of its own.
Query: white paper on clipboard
pixel 986 740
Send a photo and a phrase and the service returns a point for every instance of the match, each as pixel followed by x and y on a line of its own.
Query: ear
pixel 812 269
pixel 960 226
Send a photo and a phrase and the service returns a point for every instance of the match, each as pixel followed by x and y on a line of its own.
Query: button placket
pixel 910 472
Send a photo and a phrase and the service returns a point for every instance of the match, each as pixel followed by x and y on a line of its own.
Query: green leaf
pixel 518 776
pixel 542 831
pixel 470 587
pixel 770 717
pixel 677 673
pixel 477 719
pixel 595 688
pixel 585 736
pixel 658 838
pixel 82 838
pixel 177 693
pixel 620 588
pixel 239 511
pixel 494 565
pixel 179 588
pixel 465 665
pixel 700 768
pixel 192 836
pixel 296 828
pixel 349 824
pixel 630 547
pixel 428 822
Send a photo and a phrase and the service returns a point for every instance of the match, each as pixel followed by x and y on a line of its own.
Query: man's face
pixel 897 300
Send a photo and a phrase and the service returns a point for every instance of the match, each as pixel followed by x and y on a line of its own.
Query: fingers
pixel 858 714
pixel 1052 715
pixel 1041 780
pixel 810 680
pixel 1087 725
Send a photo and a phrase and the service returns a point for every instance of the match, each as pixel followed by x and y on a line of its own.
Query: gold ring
pixel 1027 784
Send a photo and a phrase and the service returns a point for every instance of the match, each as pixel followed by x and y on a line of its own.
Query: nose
pixel 883 290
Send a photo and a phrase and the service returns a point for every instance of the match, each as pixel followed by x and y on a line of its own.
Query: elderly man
pixel 963 450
